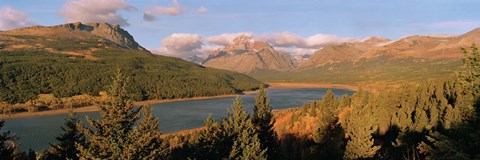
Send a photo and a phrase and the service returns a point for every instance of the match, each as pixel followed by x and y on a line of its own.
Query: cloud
pixel 96 11
pixel 185 45
pixel 174 10
pixel 283 39
pixel 225 38
pixel 180 45
pixel 320 40
pixel 202 10
pixel 12 18
pixel 297 53
pixel 147 16
pixel 287 39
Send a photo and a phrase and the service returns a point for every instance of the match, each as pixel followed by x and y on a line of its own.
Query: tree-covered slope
pixel 65 62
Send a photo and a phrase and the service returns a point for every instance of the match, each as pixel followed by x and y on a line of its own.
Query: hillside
pixel 246 55
pixel 379 61
pixel 74 59
pixel 340 53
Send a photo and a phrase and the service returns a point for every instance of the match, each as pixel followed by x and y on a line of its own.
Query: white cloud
pixel 180 45
pixel 185 45
pixel 287 39
pixel 320 40
pixel 225 38
pixel 283 39
pixel 295 52
pixel 96 11
pixel 202 10
pixel 11 18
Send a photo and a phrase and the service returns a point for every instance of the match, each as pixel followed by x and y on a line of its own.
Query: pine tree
pixel 7 146
pixel 241 130
pixel 328 107
pixel 115 136
pixel 470 75
pixel 247 146
pixel 263 121
pixel 147 137
pixel 360 127
pixel 208 142
pixel 65 149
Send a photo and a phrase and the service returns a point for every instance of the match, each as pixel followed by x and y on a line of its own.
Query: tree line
pixel 432 120
pixel 25 74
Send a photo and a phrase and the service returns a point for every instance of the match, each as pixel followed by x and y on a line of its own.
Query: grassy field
pixel 378 70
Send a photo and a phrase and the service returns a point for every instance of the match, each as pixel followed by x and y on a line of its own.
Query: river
pixel 38 132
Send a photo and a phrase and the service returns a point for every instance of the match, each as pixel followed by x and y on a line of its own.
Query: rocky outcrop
pixel 113 33
pixel 246 55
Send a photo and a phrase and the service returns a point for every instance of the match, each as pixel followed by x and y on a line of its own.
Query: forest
pixel 26 74
pixel 435 119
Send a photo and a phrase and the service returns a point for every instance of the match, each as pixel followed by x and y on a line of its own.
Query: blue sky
pixel 301 19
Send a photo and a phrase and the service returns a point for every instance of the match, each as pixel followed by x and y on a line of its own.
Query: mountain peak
pixel 375 39
pixel 243 39
pixel 245 55
pixel 110 32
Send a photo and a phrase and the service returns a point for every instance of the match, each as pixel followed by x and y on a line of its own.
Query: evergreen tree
pixel 241 130
pixel 147 137
pixel 328 107
pixel 360 127
pixel 263 121
pixel 246 144
pixel 65 149
pixel 208 142
pixel 114 136
pixel 7 146
pixel 470 74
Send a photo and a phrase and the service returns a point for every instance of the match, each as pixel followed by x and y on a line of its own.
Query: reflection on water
pixel 37 132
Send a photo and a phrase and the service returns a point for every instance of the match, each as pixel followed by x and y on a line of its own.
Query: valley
pixel 249 81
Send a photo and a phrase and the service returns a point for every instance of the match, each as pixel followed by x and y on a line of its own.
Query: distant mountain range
pixel 373 59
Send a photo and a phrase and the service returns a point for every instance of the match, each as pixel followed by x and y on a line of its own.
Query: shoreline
pixel 312 85
pixel 94 108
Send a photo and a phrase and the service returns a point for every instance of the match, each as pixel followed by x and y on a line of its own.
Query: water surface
pixel 37 132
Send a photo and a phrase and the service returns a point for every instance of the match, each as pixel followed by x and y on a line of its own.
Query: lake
pixel 37 132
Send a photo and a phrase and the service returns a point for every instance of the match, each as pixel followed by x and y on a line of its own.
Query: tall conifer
pixel 263 121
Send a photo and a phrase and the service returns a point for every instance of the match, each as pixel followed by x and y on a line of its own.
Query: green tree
pixel 7 146
pixel 360 127
pixel 114 136
pixel 246 144
pixel 263 121
pixel 470 74
pixel 65 148
pixel 208 142
pixel 147 137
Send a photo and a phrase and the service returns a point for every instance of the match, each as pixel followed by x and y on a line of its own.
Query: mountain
pixel 246 55
pixel 101 31
pixel 379 60
pixel 75 59
pixel 340 53
pixel 195 59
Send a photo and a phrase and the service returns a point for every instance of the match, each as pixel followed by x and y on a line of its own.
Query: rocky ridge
pixel 245 55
